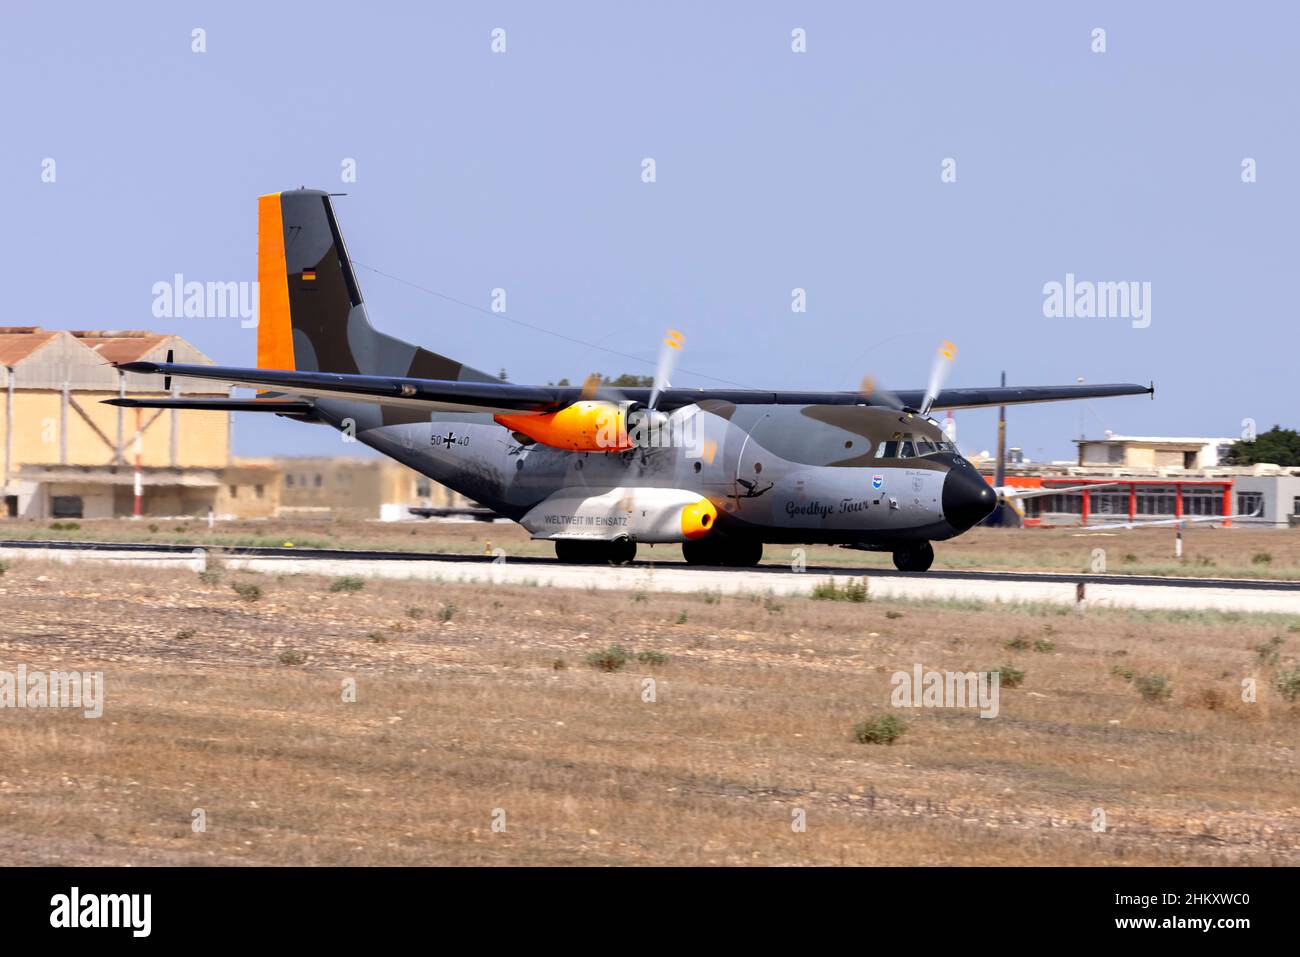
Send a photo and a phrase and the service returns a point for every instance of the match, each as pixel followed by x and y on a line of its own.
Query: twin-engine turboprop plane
pixel 596 470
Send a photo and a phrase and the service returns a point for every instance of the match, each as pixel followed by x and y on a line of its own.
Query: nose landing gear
pixel 916 558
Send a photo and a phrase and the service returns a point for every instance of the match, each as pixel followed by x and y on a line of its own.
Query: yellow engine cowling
pixel 588 426
pixel 697 519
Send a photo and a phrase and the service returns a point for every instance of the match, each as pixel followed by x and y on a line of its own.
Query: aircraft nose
pixel 967 498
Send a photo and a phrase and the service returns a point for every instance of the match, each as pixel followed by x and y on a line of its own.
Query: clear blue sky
pixel 775 170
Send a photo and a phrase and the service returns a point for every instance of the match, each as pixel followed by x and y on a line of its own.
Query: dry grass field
pixel 1210 552
pixel 473 702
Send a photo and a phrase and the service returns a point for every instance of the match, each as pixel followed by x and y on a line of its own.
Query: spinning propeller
pixel 943 361
pixel 876 394
pixel 647 415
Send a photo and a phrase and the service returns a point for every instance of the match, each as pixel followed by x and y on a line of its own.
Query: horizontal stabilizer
pixel 444 511
pixel 449 395
pixel 278 406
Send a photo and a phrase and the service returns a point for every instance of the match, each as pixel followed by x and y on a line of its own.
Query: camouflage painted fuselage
pixel 777 473
pixel 786 472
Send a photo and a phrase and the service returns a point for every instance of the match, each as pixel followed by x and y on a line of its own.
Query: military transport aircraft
pixel 595 469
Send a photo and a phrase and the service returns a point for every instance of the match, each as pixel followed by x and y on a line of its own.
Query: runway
pixel 1083 591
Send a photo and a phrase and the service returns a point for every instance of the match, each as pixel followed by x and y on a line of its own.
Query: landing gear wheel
pixel 699 551
pixel 918 558
pixel 728 552
pixel 745 553
pixel 573 553
pixel 619 552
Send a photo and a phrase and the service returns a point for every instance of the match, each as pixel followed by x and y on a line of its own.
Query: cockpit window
pixel 902 445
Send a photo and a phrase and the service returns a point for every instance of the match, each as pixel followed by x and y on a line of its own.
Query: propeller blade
pixel 672 345
pixel 590 385
pixel 938 373
pixel 876 394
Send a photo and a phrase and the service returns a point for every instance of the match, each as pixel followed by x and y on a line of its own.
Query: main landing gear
pixel 718 550
pixel 916 558
pixel 618 552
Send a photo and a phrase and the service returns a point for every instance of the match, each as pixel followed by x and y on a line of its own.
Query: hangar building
pixel 66 454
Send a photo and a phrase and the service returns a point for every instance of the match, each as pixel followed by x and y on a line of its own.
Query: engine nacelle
pixel 653 515
pixel 642 423
pixel 589 426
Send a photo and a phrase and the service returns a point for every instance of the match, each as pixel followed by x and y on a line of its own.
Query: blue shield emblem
pixel 877 482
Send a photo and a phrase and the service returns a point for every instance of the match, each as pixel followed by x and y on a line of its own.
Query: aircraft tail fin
pixel 311 317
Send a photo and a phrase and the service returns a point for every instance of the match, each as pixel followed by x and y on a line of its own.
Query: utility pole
pixel 1000 477
pixel 1000 469
pixel 176 425
pixel 9 428
pixel 120 455
pixel 139 477
pixel 1079 380
pixel 63 424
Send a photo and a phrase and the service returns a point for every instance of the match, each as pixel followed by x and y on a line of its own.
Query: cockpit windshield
pixel 903 445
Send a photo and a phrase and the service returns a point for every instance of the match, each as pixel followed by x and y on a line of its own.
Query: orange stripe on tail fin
pixel 274 329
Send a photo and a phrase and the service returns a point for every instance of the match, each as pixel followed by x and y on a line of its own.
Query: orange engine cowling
pixel 588 426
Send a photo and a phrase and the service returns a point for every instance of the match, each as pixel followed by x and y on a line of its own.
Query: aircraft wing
pixel 908 398
pixel 1171 521
pixel 474 396
pixel 1022 395
pixel 1011 492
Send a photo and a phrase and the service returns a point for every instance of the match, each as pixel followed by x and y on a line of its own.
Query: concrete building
pixel 1131 494
pixel 355 488
pixel 1153 452
pixel 1273 489
pixel 248 489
